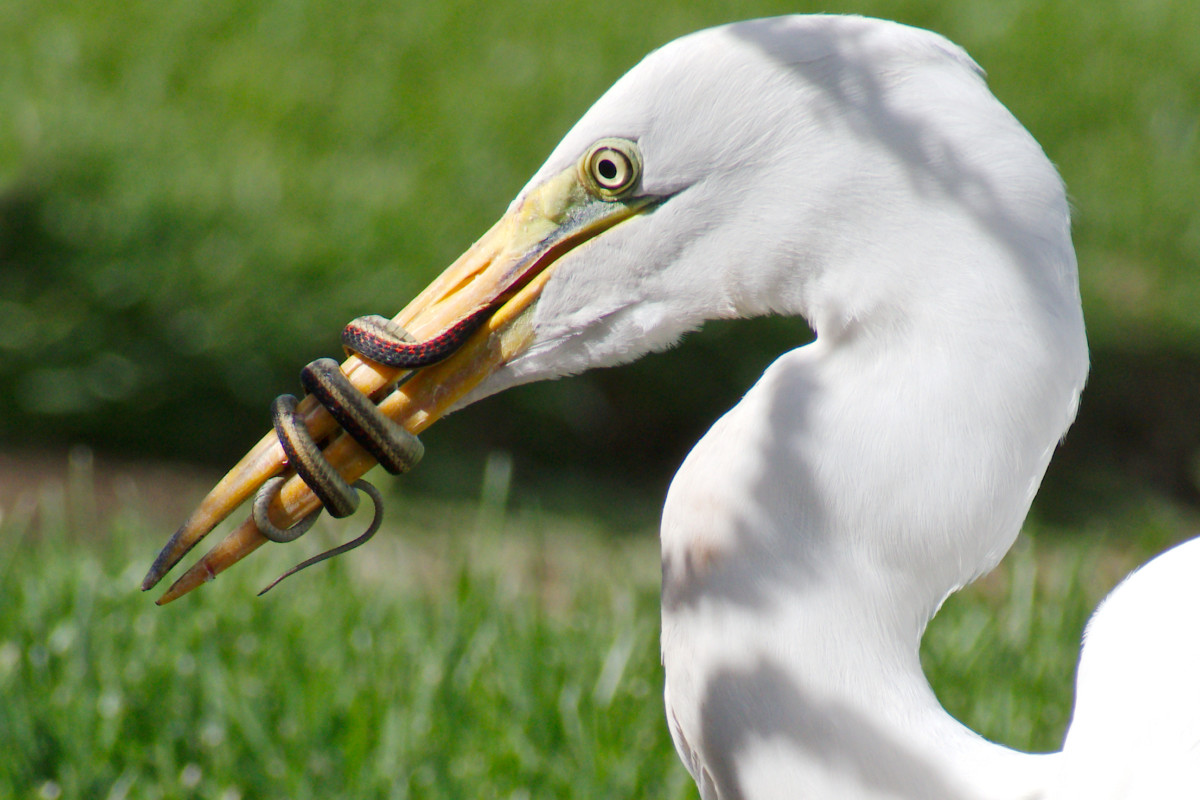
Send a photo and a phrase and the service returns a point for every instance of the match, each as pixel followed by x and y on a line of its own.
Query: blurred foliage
pixel 195 197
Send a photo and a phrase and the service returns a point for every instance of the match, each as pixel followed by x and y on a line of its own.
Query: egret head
pixel 853 172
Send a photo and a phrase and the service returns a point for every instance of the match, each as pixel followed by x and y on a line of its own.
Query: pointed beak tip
pixel 155 573
pixel 195 577
pixel 169 596
pixel 167 558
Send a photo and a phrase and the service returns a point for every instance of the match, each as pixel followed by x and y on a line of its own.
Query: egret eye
pixel 611 168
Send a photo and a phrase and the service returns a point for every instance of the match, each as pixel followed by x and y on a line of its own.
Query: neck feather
pixel 813 533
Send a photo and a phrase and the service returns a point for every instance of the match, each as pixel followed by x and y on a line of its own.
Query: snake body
pixel 381 340
pixel 385 342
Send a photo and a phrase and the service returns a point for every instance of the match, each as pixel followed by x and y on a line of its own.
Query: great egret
pixel 857 173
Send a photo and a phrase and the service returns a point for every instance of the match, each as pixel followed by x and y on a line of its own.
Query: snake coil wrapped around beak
pixel 396 450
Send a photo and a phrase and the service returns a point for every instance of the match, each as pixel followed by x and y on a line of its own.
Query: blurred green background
pixel 194 198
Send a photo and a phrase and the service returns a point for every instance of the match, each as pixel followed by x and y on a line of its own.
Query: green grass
pixel 441 665
pixel 476 654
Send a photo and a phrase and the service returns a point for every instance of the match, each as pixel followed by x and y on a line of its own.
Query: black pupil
pixel 607 169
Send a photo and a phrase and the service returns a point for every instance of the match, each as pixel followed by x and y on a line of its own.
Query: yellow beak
pixel 505 271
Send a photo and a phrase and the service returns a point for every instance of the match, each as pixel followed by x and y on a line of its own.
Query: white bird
pixel 859 174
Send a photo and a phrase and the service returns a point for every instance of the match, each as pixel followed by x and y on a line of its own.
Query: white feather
pixel 859 173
